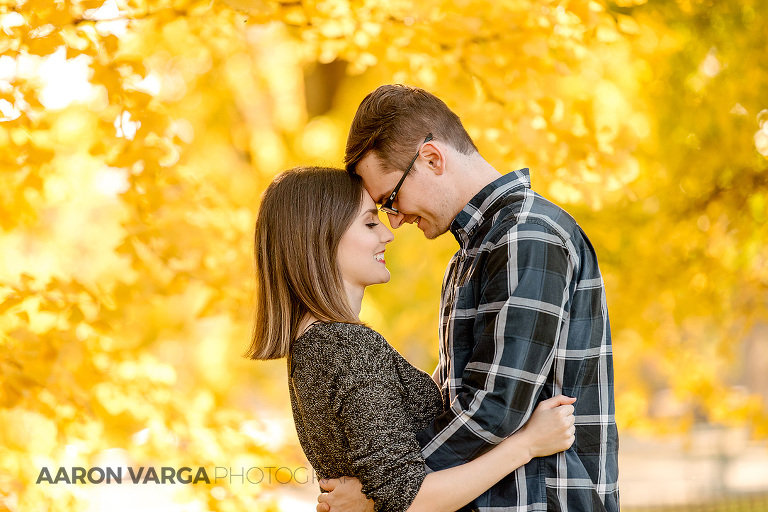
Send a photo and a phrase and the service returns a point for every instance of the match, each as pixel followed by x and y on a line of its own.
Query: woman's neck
pixel 355 298
pixel 305 323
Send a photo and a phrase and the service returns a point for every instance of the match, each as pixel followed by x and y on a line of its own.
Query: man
pixel 523 306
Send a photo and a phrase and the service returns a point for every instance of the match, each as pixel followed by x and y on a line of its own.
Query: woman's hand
pixel 551 428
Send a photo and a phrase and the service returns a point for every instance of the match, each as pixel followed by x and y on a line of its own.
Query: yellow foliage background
pixel 136 137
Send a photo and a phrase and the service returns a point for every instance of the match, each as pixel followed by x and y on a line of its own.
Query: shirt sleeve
pixel 383 450
pixel 522 304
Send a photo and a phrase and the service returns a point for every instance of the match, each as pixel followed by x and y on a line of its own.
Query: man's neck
pixel 473 175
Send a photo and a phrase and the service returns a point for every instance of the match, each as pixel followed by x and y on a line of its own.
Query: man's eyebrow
pixel 383 197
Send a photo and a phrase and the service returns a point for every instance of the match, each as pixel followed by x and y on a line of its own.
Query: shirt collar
pixel 474 213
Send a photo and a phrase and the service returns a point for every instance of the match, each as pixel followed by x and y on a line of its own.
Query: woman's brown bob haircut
pixel 392 121
pixel 303 215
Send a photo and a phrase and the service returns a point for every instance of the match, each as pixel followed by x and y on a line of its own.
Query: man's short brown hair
pixel 392 120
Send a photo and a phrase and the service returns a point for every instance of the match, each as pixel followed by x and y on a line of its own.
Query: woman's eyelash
pixel 372 224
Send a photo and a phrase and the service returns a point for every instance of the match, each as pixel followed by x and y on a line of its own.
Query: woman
pixel 356 402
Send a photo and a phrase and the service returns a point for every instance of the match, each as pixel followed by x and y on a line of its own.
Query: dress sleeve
pixel 383 450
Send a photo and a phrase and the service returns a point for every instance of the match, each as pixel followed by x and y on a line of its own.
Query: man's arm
pixel 517 330
pixel 550 430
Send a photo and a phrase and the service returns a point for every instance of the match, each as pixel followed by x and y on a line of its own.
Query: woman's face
pixel 361 248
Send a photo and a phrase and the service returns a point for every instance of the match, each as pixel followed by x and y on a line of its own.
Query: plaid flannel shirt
pixel 524 318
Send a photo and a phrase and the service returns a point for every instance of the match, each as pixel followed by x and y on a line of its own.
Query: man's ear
pixel 432 155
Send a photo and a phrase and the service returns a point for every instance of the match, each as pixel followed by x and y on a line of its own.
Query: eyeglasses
pixel 386 206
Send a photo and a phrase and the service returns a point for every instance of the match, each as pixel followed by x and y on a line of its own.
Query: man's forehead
pixel 375 179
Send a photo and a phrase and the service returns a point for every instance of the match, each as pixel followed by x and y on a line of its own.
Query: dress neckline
pixel 309 328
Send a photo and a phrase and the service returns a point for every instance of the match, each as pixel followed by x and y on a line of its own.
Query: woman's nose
pixel 387 236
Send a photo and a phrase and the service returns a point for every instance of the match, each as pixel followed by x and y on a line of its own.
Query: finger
pixel 322 498
pixel 556 401
pixel 549 403
pixel 323 507
pixel 564 400
pixel 329 484
pixel 567 410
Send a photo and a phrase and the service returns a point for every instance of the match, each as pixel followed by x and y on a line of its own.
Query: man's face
pixel 418 201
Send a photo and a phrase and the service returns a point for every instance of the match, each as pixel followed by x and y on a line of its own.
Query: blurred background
pixel 136 137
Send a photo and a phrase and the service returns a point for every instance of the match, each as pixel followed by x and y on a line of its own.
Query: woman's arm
pixel 549 430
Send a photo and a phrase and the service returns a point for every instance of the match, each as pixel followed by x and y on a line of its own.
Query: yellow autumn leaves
pixel 136 137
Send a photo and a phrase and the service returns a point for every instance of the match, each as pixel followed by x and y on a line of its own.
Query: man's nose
pixel 395 219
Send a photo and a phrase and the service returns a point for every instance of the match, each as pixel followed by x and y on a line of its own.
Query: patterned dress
pixel 357 405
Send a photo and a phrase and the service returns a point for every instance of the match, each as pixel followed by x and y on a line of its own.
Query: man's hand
pixel 345 495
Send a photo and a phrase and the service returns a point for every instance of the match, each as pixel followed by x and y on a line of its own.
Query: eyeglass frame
pixel 386 206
